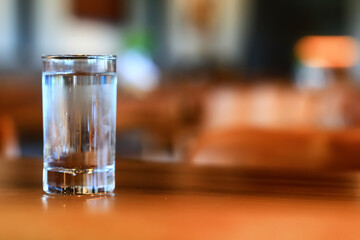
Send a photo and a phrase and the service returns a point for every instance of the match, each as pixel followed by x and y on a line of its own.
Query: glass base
pixel 78 181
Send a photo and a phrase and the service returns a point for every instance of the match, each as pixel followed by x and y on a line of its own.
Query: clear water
pixel 79 117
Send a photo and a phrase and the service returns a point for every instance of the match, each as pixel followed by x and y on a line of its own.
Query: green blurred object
pixel 140 40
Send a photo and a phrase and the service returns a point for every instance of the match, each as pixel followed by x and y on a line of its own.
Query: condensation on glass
pixel 79 119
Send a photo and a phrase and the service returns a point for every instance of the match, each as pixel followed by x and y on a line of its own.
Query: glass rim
pixel 78 56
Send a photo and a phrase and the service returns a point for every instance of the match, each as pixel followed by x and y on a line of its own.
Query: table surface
pixel 177 201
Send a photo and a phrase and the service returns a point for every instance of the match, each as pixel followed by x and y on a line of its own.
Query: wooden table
pixel 176 201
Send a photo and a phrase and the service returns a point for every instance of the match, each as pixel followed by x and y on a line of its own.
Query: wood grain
pixel 162 201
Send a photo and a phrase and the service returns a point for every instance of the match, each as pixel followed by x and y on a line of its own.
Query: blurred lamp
pixel 327 51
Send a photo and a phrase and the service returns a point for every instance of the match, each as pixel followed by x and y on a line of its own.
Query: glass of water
pixel 79 119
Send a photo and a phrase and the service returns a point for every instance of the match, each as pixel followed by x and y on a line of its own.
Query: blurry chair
pixel 271 106
pixel 260 106
pixel 268 126
pixel 296 149
pixel 9 147
pixel 260 148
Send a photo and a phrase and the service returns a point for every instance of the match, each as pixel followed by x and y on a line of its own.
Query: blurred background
pixel 247 83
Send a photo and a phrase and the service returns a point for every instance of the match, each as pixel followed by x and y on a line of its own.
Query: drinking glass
pixel 79 119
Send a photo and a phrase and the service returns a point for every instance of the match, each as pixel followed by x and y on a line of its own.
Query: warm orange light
pixel 327 51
